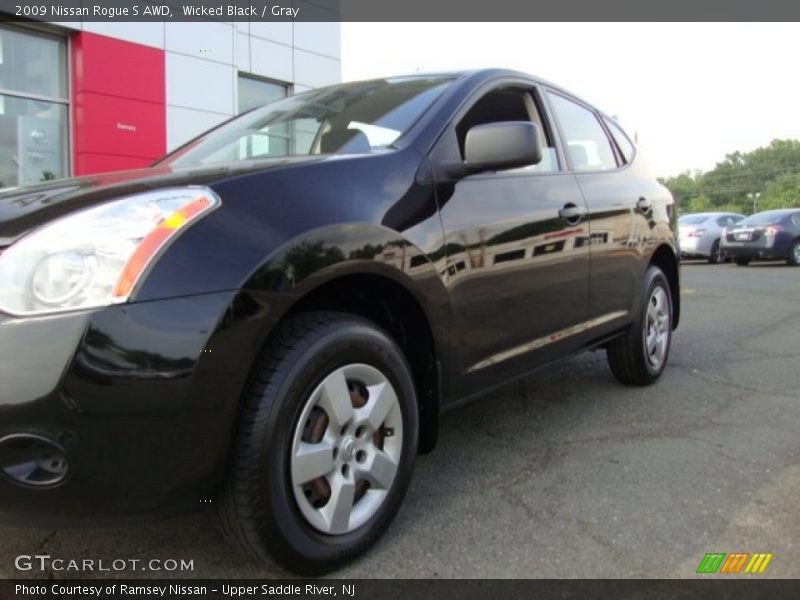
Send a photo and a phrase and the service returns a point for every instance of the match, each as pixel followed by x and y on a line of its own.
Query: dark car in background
pixel 768 235
pixel 274 316
pixel 700 234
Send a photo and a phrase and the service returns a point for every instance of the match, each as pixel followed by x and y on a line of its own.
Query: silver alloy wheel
pixel 796 252
pixel 346 448
pixel 657 327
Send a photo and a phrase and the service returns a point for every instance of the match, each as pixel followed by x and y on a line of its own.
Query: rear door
pixel 516 269
pixel 617 198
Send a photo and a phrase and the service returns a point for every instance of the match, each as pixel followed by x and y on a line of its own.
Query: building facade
pixel 82 98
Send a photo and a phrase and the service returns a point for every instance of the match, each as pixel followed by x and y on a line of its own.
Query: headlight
pixel 96 256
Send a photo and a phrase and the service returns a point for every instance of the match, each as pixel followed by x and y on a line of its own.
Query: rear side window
pixel 692 219
pixel 728 220
pixel 623 141
pixel 588 146
pixel 764 218
pixel 796 218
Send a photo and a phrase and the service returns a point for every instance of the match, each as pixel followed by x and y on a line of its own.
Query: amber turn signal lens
pixel 154 241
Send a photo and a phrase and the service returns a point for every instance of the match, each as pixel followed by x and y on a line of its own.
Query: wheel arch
pixel 373 272
pixel 397 310
pixel 666 259
pixel 792 242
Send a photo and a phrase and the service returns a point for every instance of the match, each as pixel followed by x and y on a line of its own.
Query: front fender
pixel 319 256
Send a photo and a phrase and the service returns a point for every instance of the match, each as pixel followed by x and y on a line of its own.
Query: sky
pixel 690 92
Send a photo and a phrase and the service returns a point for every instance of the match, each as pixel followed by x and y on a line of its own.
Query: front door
pixel 517 256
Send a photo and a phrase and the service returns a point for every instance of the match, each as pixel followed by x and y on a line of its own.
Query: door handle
pixel 572 213
pixel 643 204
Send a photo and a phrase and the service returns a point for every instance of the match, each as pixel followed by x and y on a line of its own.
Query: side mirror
pixel 503 145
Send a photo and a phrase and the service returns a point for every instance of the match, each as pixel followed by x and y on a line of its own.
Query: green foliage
pixel 699 203
pixel 772 171
pixel 782 192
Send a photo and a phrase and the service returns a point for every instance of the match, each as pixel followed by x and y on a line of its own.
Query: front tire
pixel 717 254
pixel 640 355
pixel 325 444
pixel 794 254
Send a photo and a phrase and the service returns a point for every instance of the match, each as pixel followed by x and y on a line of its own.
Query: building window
pixel 253 93
pixel 34 107
pixel 257 92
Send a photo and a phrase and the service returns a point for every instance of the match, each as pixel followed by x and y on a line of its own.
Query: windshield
pixel 352 118
pixel 692 219
pixel 765 218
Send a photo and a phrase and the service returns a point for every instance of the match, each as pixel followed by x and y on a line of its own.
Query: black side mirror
pixel 503 145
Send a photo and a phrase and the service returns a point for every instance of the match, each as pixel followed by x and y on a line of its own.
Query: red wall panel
pixel 119 126
pixel 119 68
pixel 119 114
pixel 102 163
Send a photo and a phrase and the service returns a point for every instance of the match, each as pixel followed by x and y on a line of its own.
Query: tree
pixel 699 204
pixel 683 187
pixel 782 192
pixel 773 171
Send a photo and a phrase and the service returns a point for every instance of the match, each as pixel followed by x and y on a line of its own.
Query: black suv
pixel 274 315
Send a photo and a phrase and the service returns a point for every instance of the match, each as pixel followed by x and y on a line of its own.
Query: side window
pixel 510 104
pixel 796 218
pixel 587 144
pixel 624 143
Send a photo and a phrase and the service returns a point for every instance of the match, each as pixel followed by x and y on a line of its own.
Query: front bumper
pixel 140 397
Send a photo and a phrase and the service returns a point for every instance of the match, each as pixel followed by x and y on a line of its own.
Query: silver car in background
pixel 700 234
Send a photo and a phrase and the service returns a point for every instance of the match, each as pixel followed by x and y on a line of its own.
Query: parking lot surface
pixel 569 474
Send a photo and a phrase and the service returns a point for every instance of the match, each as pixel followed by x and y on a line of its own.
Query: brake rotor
pixel 358 393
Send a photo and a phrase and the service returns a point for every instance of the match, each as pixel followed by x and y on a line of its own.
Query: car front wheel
pixel 794 254
pixel 717 254
pixel 639 356
pixel 325 443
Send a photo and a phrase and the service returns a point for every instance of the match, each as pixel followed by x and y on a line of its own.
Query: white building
pixel 78 98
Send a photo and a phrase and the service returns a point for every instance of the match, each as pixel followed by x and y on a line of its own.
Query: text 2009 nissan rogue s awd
pixel 276 313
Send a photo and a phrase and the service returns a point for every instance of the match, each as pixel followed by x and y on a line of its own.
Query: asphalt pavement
pixel 569 474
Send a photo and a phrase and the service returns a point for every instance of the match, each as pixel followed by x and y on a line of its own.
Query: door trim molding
pixel 547 340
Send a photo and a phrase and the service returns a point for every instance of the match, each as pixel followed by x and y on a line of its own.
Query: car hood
pixel 25 208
